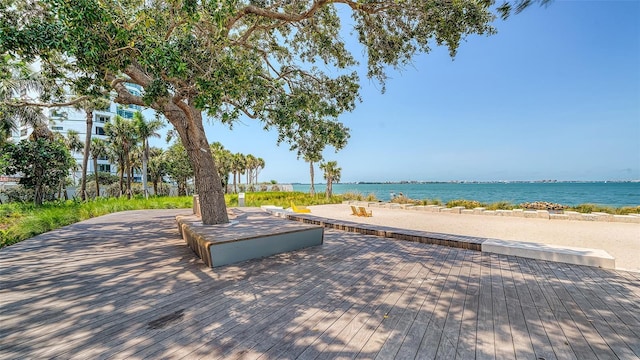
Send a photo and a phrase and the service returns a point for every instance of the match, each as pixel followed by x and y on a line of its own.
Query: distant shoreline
pixel 480 182
pixel 609 194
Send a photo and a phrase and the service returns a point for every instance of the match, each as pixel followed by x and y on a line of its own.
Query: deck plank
pixel 485 336
pixel 518 329
pixel 126 286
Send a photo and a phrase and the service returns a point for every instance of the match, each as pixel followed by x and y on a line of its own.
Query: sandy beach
pixel 620 240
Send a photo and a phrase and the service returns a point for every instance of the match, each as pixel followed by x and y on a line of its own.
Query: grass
pixel 21 221
pixel 282 198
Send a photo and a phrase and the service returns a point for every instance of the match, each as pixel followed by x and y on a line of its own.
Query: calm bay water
pixel 601 193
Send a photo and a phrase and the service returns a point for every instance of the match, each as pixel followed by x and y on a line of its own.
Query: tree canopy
pixel 42 162
pixel 283 62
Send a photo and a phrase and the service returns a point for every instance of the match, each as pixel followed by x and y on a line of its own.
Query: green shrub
pixel 355 196
pixel 18 194
pixel 591 208
pixel 425 202
pixel 500 205
pixel 371 197
pixel 467 204
pixel 402 199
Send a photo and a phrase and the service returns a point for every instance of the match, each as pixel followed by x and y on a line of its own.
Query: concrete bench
pixel 570 255
pixel 253 234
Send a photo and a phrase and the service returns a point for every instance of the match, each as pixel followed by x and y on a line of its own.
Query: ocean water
pixel 615 194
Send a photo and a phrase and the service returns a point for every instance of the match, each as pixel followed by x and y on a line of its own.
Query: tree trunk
pixel 129 175
pixel 187 120
pixel 121 170
pixel 312 190
pixel 85 156
pixel 145 159
pixel 235 186
pixel 329 191
pixel 95 171
pixel 38 193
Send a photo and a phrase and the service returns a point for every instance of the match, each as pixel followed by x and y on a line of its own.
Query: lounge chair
pixel 364 212
pixel 299 209
pixel 354 211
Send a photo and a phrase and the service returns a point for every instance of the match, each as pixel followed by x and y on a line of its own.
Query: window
pixel 57 128
pixel 100 131
pixel 103 158
pixel 23 132
pixel 125 114
pixel 102 119
pixel 104 168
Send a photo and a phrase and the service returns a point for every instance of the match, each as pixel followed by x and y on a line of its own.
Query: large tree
pixel 280 61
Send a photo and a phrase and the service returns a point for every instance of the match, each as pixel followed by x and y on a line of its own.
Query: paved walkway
pixel 126 286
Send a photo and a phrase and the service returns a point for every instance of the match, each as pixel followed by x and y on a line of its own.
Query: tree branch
pixel 241 108
pixel 370 8
pixel 252 9
pixel 135 72
pixel 125 97
pixel 45 105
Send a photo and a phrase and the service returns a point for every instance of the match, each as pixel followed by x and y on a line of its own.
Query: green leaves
pixel 42 163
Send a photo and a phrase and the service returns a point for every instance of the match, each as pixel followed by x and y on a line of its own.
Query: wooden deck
pixel 126 286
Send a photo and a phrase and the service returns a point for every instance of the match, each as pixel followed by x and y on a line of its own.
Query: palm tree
pixel 88 106
pixel 145 130
pixel 135 160
pixel 98 149
pixel 259 165
pixel 250 163
pixel 122 138
pixel 74 144
pixel 331 174
pixel 21 81
pixel 237 166
pixel 157 167
pixel 223 159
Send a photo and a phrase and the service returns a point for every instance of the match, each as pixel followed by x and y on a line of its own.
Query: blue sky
pixel 554 95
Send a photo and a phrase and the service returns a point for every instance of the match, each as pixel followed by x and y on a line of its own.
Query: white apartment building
pixel 63 119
